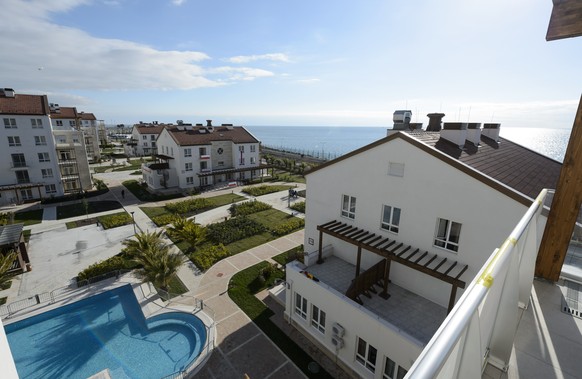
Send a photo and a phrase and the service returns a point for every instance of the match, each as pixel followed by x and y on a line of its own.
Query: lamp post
pixel 133 221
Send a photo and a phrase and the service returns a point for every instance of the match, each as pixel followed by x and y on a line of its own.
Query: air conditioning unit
pixel 337 342
pixel 338 330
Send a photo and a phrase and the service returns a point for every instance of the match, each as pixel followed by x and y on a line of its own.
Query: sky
pixel 302 62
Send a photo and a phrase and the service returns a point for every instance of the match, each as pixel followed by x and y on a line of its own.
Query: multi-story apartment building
pixel 67 118
pixel 395 231
pixel 94 133
pixel 29 168
pixel 197 156
pixel 143 140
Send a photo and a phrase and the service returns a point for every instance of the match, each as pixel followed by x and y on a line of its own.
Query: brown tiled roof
pixel 149 129
pixel 194 136
pixel 87 116
pixel 518 167
pixel 64 112
pixel 512 169
pixel 24 105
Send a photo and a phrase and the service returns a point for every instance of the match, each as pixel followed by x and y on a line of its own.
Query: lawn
pixel 28 217
pixel 265 189
pixel 142 193
pixel 242 289
pixel 79 209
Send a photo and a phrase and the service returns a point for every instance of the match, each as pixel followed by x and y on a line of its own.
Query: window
pixel 190 180
pixel 59 122
pixel 390 218
pixel 152 137
pixel 22 177
pixel 447 234
pixel 389 369
pixel 50 188
pixel 301 306
pixel 188 166
pixel 220 163
pixel 171 151
pixel 253 148
pixel 187 152
pixel 75 140
pixel 242 162
pixel 18 160
pixel 241 149
pixel 144 137
pixel 203 166
pixel 10 123
pixel 66 156
pixel 145 144
pixel 318 319
pixel 14 141
pixel 202 150
pixel 366 355
pixel 401 373
pixel 26 194
pixel 39 140
pixel 253 160
pixel 47 172
pixel 72 123
pixel 43 157
pixel 348 206
pixel 36 123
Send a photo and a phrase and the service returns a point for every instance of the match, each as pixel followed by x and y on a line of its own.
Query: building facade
pixel 143 142
pixel 394 232
pixel 190 157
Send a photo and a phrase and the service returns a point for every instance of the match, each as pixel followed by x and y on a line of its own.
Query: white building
pixel 196 156
pixel 395 231
pixel 95 134
pixel 29 168
pixel 143 140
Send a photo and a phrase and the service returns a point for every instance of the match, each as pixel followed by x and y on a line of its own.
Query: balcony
pixel 204 157
pixel 18 165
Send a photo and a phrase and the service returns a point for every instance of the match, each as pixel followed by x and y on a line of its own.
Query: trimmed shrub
pixel 205 258
pixel 233 230
pixel 164 219
pixel 117 262
pixel 299 206
pixel 288 227
pixel 115 220
pixel 100 185
pixel 263 190
pixel 188 206
pixel 248 207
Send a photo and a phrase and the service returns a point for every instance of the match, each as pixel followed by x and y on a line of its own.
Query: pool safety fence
pixel 46 298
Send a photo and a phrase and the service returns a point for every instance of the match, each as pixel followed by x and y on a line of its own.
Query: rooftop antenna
pixel 459 115
pixel 492 114
pixel 469 116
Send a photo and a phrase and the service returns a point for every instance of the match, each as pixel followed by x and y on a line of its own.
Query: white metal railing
pixel 481 327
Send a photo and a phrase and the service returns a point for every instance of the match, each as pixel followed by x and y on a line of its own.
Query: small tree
pixel 159 265
pixel 144 241
pixel 189 231
pixel 6 261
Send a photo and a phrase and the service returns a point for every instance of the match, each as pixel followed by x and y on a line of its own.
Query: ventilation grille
pixel 571 303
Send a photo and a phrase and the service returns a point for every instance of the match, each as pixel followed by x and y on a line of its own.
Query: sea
pixel 329 142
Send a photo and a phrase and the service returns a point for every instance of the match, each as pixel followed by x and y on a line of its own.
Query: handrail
pixel 435 354
pixel 366 279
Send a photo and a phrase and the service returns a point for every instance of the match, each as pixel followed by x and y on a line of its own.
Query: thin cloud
pixel 275 57
pixel 308 81
pixel 71 59
pixel 178 2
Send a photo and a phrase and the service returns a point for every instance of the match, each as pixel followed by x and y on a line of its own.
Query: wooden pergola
pixel 391 250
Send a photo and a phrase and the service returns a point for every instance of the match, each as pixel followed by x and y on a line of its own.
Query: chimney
pixel 474 133
pixel 434 122
pixel 455 132
pixel 491 131
pixel 55 108
pixel 401 119
pixel 7 92
pixel 209 123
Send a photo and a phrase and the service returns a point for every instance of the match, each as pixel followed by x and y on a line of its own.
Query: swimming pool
pixel 105 331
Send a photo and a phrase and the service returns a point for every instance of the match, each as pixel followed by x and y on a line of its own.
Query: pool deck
pixel 240 346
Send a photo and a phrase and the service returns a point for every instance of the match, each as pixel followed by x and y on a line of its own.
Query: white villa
pixel 396 230
pixel 189 157
pixel 144 139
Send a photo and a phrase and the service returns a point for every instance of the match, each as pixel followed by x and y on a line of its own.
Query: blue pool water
pixel 105 331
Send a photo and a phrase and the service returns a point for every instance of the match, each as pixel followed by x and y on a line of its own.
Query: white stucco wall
pixel 429 189
pixel 6 359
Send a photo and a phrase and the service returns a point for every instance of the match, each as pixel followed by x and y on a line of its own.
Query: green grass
pixel 154 211
pixel 286 256
pixel 142 193
pixel 264 189
pixel 26 234
pixel 242 289
pixel 6 285
pixel 78 209
pixel 3 300
pixel 298 206
pixel 28 217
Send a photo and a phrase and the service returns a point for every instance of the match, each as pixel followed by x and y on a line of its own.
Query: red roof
pixel 199 135
pixel 64 112
pixel 24 105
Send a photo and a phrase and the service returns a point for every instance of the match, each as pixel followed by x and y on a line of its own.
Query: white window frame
pixel 253 148
pixel 40 140
pixel 318 318
pixel 26 194
pixel 72 123
pixel 144 137
pixel 15 141
pixel 44 157
pixel 253 160
pixel 242 161
pixel 300 306
pixel 50 188
pixel 392 224
pixel 187 152
pixel 203 165
pixel 241 148
pixel 190 180
pixel 348 207
pixel 188 166
pixel 10 123
pixel 36 123
pixel 443 239
pixel 47 173
pixel 365 358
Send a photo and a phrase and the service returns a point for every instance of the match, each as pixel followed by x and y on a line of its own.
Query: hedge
pixel 164 219
pixel 248 207
pixel 233 230
pixel 188 206
pixel 205 258
pixel 288 227
pixel 115 220
pixel 264 189
pixel 117 262
pixel 299 206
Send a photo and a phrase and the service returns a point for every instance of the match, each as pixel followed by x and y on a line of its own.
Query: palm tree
pixel 6 261
pixel 189 231
pixel 158 266
pixel 144 241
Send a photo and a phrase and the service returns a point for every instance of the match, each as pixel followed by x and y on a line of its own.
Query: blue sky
pixel 293 63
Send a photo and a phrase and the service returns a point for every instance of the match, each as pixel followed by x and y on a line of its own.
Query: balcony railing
pixel 481 327
pixel 204 157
